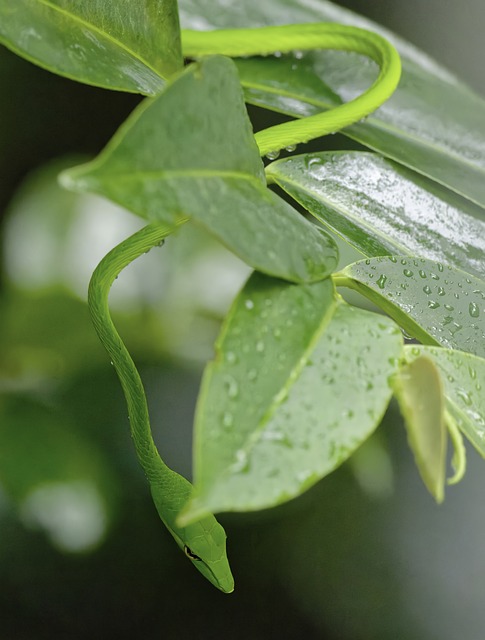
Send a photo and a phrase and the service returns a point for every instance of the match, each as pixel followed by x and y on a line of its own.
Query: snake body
pixel 204 542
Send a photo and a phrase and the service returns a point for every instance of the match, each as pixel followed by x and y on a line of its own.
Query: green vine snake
pixel 204 542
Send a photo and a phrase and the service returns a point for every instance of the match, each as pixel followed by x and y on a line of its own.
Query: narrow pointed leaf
pixel 124 45
pixel 435 303
pixel 191 152
pixel 463 377
pixel 419 391
pixel 449 149
pixel 312 384
pixel 384 209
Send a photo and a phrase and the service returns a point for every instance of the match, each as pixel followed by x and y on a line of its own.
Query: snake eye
pixel 189 554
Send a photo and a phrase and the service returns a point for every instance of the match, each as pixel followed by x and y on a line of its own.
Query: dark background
pixel 357 557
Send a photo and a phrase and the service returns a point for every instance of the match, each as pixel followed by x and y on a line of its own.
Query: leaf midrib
pixel 341 211
pixel 254 437
pixel 103 34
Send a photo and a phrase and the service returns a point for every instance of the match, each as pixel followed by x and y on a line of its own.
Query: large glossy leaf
pixel 125 45
pixel 384 209
pixel 463 377
pixel 191 152
pixel 435 303
pixel 419 391
pixel 299 381
pixel 433 123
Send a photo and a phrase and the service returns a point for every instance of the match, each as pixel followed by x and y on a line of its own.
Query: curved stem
pixel 268 40
pixel 103 277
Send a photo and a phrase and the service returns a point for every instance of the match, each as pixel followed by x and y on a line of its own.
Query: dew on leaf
pixel 408 273
pixel 227 419
pixel 273 155
pixel 312 162
pixel 381 282
pixel 427 289
pixel 463 395
pixel 474 310
pixel 242 462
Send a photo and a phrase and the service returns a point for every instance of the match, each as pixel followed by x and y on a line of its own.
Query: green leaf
pixel 384 209
pixel 191 152
pixel 449 149
pixel 435 303
pixel 418 389
pixel 299 381
pixel 463 377
pixel 49 471
pixel 124 45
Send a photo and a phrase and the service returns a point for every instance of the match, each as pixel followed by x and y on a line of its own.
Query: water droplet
pixel 232 387
pixel 242 462
pixel 422 274
pixel 290 148
pixel 427 289
pixel 252 374
pixel 381 282
pixel 463 395
pixel 406 335
pixel 404 262
pixel 312 161
pixel 249 304
pixel 393 259
pixel 441 291
pixel 260 346
pixel 231 357
pixel 273 155
pixel 472 372
pixel 227 419
pixel 455 327
pixel 440 267
pixel 408 273
pixel 474 310
pixel 449 307
pixel 432 304
pixel 277 332
pixel 298 54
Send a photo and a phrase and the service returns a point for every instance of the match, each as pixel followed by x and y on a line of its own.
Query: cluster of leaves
pixel 300 378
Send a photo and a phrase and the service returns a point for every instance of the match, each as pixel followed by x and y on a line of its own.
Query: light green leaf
pixel 384 209
pixel 418 389
pixel 191 152
pixel 49 471
pixel 463 377
pixel 300 380
pixel 449 149
pixel 435 303
pixel 124 45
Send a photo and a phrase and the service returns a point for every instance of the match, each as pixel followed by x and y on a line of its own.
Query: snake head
pixel 203 542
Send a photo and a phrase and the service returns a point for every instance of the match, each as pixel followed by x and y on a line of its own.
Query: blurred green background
pixel 365 554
